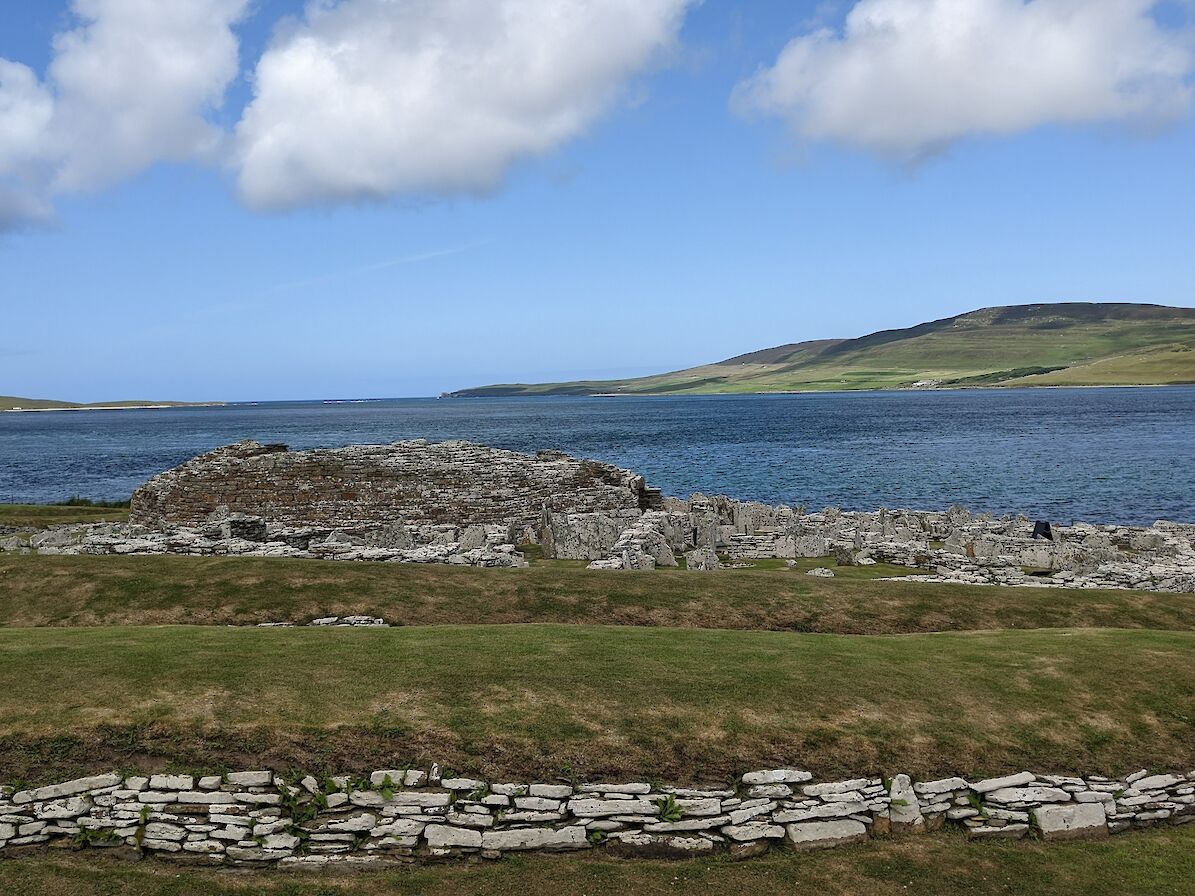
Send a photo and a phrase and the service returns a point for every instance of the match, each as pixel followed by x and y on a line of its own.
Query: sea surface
pixel 1104 455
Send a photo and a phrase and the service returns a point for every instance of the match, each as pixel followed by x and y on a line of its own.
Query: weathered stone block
pixel 69 788
pixel 753 830
pixel 440 836
pixel 572 837
pixel 594 808
pixel 777 776
pixel 990 784
pixel 825 834
pixel 904 810
pixel 1070 822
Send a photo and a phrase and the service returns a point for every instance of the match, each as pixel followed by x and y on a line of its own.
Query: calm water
pixel 1108 455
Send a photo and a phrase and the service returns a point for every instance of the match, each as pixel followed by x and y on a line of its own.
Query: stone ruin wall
pixel 414 482
pixel 466 504
pixel 409 815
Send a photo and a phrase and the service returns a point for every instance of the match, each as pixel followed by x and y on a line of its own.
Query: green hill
pixel 13 403
pixel 1065 344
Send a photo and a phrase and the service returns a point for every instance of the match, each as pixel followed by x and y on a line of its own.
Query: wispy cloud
pixel 401 261
pixel 265 296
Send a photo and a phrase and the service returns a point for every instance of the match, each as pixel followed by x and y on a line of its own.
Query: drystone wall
pixel 408 815
pixel 458 483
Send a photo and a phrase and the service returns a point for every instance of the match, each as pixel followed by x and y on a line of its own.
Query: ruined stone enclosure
pixel 414 481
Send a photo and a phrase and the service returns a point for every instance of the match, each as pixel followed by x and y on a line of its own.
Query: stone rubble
pixel 335 622
pixel 951 546
pixel 409 815
pixel 491 546
pixel 465 504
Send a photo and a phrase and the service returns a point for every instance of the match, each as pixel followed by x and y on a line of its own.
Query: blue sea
pixel 1105 455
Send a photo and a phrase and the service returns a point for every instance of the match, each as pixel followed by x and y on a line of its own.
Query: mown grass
pixel 85 590
pixel 544 700
pixel 40 516
pixel 1153 863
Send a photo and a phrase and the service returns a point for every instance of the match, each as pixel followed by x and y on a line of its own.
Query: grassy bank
pixel 592 701
pixel 1158 863
pixel 40 516
pixel 42 591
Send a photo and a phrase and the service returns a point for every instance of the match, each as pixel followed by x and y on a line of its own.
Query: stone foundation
pixel 409 815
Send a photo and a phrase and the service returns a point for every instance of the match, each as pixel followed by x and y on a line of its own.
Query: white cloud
pixel 908 77
pixel 366 99
pixel 26 109
pixel 134 85
pixel 130 86
pixel 25 112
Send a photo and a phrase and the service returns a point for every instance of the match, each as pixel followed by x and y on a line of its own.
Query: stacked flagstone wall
pixel 408 815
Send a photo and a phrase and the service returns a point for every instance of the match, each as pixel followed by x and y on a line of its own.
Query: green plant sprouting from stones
pixel 299 810
pixel 670 810
pixel 142 821
pixel 94 836
pixel 386 788
pixel 977 805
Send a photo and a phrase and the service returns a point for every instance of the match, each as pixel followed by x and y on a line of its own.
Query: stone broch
pixel 416 481
pixel 466 504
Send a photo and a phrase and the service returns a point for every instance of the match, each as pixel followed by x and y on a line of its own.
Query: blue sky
pixel 687 218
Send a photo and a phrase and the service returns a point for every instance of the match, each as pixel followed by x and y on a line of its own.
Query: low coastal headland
pixel 117 406
pixel 542 653
pixel 11 403
pixel 1059 344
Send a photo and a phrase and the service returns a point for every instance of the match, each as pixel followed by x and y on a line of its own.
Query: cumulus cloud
pixel 908 77
pixel 131 85
pixel 135 84
pixel 26 109
pixel 365 99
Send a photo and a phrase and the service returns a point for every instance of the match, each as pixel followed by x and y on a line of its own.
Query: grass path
pixel 1152 863
pixel 590 700
pixel 75 591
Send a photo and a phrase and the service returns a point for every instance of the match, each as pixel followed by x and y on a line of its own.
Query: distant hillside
pixel 12 403
pixel 1065 344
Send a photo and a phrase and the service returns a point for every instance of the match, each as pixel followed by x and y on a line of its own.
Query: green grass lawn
pixel 85 590
pixel 543 700
pixel 1152 863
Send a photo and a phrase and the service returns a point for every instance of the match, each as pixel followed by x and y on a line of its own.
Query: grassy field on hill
pixel 1157 863
pixel 1050 344
pixel 536 701
pixel 89 591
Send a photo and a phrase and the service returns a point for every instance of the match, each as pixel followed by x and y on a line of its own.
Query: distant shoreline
pixel 961 388
pixel 116 407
